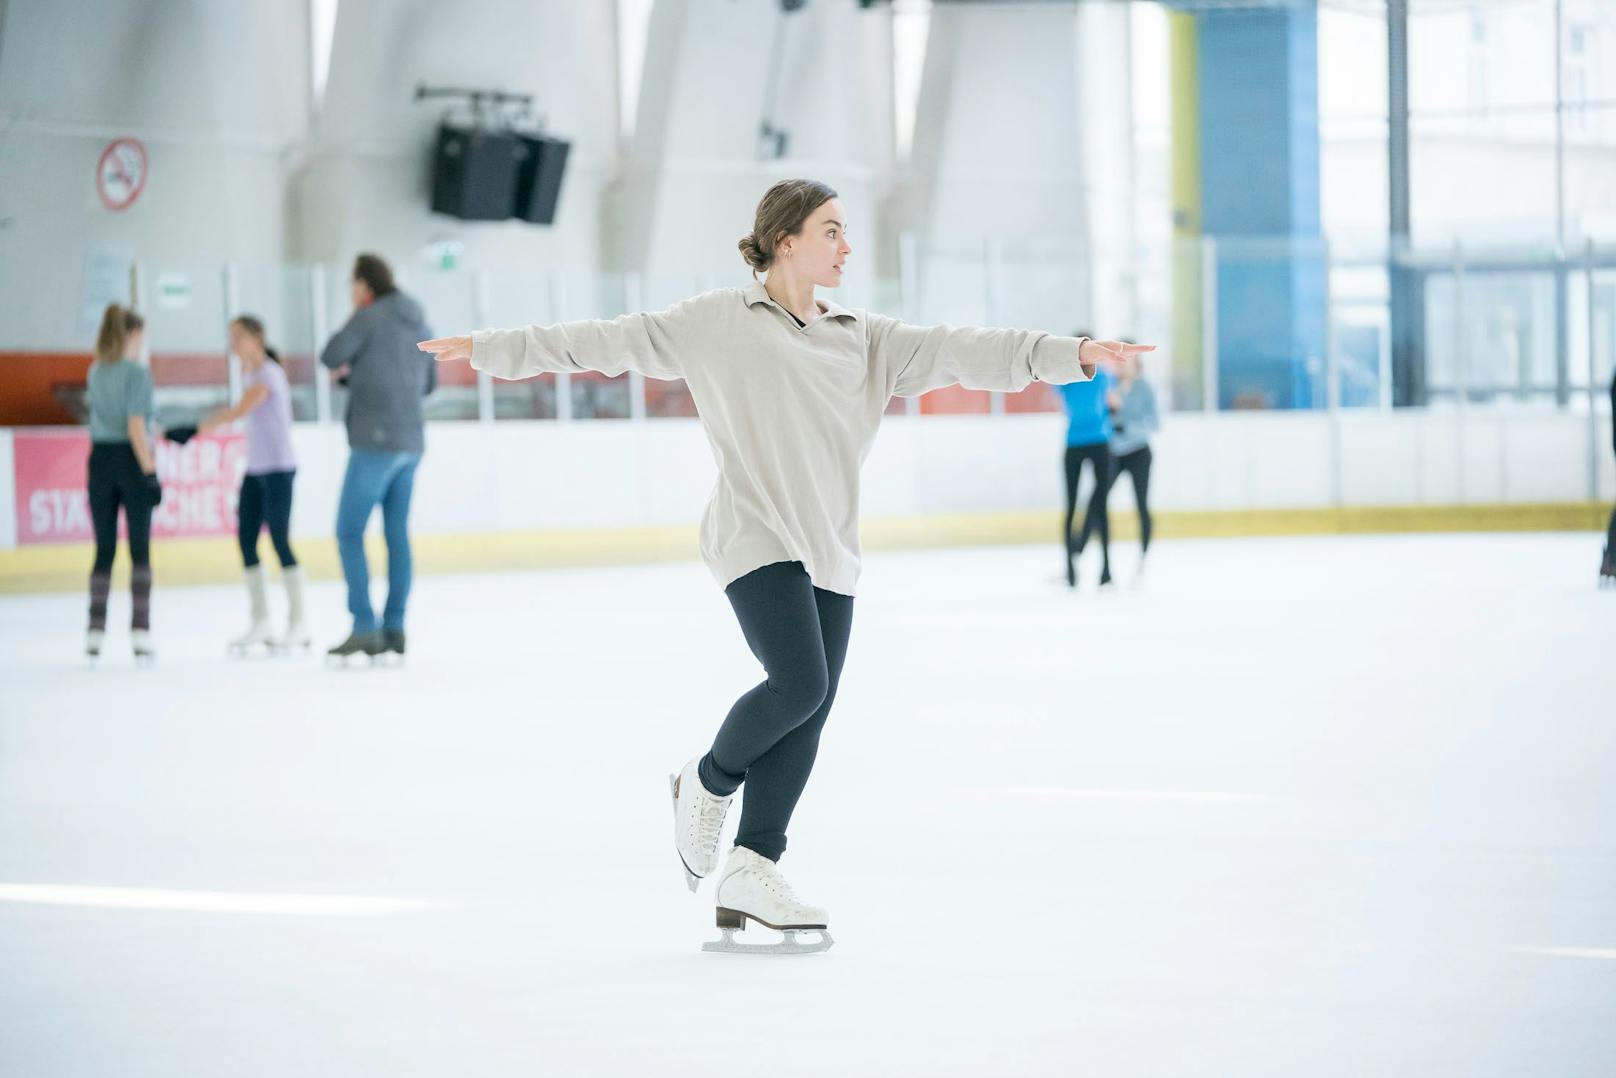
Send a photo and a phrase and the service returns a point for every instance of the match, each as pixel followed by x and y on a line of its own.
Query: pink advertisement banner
pixel 201 482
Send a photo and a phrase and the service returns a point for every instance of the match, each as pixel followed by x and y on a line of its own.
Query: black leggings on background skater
pixel 266 498
pixel 1137 465
pixel 1098 456
pixel 115 482
pixel 771 736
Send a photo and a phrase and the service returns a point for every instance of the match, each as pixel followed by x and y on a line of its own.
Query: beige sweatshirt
pixel 791 412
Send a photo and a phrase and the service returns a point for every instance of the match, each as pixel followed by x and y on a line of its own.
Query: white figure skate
pixel 93 639
pixel 141 642
pixel 698 821
pixel 751 887
pixel 257 634
pixel 297 632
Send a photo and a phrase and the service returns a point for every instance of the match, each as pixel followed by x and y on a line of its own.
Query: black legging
pixel 116 481
pixel 1099 457
pixel 265 499
pixel 771 736
pixel 1137 465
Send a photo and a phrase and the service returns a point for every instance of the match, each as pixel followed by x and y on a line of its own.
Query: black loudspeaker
pixel 474 173
pixel 538 183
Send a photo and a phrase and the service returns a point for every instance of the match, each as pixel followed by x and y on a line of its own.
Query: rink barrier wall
pixel 186 562
pixel 526 494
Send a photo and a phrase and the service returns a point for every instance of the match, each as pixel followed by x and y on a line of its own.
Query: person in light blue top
pixel 1088 436
pixel 1135 421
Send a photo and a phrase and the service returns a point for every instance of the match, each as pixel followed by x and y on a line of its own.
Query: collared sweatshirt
pixel 790 411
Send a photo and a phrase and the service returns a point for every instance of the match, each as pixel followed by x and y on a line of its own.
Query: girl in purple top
pixel 266 489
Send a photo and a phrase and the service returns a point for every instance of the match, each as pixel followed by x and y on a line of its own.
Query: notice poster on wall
pixel 201 482
pixel 106 280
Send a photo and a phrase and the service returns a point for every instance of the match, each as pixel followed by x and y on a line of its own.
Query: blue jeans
pixel 376 477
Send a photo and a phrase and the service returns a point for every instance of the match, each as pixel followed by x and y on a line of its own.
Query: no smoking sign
pixel 120 175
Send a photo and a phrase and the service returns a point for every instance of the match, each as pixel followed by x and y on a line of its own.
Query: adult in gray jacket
pixel 387 376
pixel 790 390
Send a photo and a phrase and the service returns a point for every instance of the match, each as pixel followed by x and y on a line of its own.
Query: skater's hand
pixel 154 489
pixel 1091 352
pixel 447 349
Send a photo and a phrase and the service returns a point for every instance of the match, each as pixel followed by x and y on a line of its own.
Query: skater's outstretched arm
pixel 647 343
pixel 919 359
pixel 255 395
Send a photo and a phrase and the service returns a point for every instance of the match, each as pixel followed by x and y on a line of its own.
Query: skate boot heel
pixel 732 919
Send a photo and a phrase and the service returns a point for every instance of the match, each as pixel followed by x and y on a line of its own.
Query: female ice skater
pixel 1088 437
pixel 790 390
pixel 1132 423
pixel 266 489
pixel 123 473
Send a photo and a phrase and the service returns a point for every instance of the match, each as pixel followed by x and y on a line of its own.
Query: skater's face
pixel 132 343
pixel 247 347
pixel 819 248
pixel 362 295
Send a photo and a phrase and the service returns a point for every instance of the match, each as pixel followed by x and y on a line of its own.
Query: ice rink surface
pixel 1311 807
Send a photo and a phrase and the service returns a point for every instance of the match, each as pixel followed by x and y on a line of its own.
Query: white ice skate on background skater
pixel 297 631
pixel 258 634
pixel 698 822
pixel 751 887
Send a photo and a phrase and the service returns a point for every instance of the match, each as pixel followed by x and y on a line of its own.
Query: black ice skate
pixel 368 644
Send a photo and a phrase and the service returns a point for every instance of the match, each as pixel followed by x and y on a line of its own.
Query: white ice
pixel 1293 807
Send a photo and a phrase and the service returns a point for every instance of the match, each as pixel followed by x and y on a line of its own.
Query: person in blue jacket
pixel 1088 437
